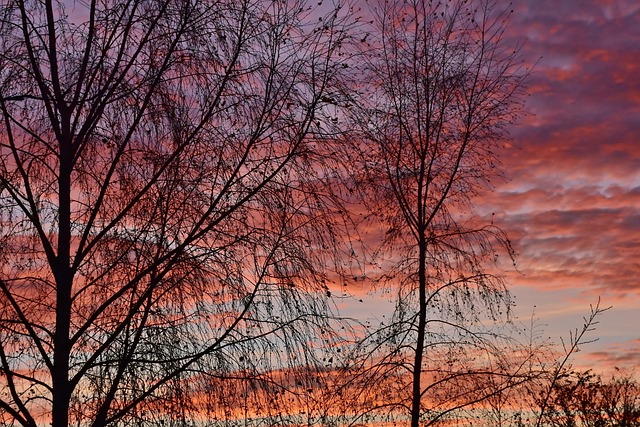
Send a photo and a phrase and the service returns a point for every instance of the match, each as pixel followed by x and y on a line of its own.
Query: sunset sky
pixel 165 214
pixel 572 205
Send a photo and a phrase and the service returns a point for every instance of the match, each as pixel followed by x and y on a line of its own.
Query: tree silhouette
pixel 440 85
pixel 157 215
pixel 583 398
pixel 539 389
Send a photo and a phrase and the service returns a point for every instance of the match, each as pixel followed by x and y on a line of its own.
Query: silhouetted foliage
pixel 159 226
pixel 584 398
pixel 173 183
pixel 541 370
pixel 440 83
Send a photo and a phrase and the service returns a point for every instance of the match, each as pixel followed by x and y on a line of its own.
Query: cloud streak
pixel 572 205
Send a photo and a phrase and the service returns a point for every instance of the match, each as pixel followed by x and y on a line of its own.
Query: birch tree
pixel 440 85
pixel 158 220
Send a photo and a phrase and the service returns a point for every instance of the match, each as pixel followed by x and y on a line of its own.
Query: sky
pixel 572 202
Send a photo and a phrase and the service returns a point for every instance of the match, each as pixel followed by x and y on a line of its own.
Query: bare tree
pixel 611 402
pixel 543 391
pixel 441 83
pixel 157 214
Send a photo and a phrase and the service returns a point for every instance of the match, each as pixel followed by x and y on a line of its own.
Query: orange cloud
pixel 572 205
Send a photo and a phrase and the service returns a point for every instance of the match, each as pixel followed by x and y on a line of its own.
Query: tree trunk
pixel 64 279
pixel 422 324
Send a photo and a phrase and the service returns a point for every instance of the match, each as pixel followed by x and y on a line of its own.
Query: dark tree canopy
pixel 175 184
pixel 440 86
pixel 158 222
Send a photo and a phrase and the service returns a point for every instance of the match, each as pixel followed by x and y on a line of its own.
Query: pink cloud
pixel 625 355
pixel 572 205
